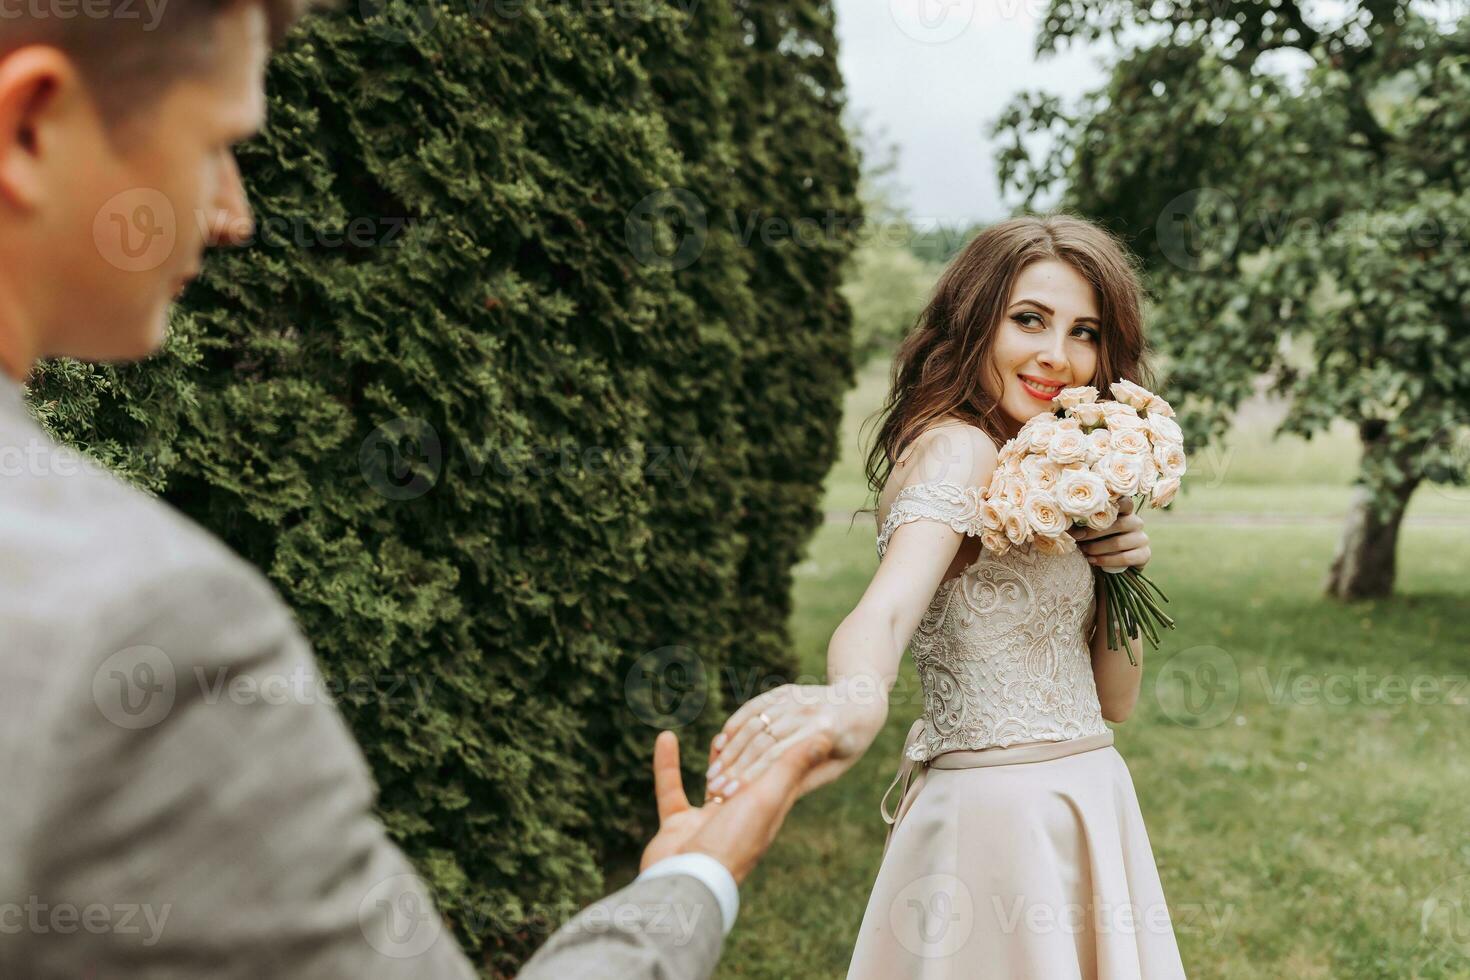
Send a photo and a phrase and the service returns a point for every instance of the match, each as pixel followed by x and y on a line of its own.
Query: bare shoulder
pixel 949 452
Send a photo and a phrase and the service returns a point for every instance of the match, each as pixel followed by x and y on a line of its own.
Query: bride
pixel 1016 848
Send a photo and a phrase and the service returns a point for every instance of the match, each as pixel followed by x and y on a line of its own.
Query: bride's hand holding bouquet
pixel 1072 475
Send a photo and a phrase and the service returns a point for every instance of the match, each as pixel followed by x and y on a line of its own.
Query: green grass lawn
pixel 1299 830
pixel 1308 816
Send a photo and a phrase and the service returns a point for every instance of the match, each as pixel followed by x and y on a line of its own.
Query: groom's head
pixel 118 120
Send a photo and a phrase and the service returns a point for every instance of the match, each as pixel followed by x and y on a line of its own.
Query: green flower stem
pixel 1145 601
pixel 1135 614
pixel 1114 614
pixel 1119 614
pixel 1137 583
pixel 1145 580
pixel 1141 620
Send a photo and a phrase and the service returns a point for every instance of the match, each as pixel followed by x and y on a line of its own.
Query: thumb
pixel 668 781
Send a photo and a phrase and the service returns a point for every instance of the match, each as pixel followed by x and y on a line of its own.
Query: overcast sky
pixel 935 74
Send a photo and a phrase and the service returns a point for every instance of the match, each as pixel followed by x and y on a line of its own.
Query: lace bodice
pixel 1001 651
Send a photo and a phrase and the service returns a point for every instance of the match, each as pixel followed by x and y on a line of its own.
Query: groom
pixel 146 827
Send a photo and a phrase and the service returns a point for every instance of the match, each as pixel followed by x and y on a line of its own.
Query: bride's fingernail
pixel 715 784
pixel 719 741
pixel 714 771
pixel 730 790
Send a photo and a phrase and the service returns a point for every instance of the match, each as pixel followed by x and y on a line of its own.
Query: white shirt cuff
pixel 716 877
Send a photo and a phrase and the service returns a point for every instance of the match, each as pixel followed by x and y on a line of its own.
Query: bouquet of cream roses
pixel 1072 467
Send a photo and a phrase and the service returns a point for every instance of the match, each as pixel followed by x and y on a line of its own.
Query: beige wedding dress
pixel 1016 847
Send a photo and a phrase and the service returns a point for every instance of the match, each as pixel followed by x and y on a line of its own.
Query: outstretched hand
pixel 763 729
pixel 735 832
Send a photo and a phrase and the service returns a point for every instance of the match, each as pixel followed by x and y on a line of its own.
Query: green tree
pixel 1330 207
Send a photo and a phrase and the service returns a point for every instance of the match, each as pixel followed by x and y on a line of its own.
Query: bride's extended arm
pixel 866 648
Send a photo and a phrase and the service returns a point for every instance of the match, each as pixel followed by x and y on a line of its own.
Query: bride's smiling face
pixel 1047 340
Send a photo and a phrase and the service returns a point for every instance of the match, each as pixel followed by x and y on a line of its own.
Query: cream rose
pixel 1080 493
pixel 1067 446
pixel 1133 395
pixel 1062 544
pixel 1099 444
pixel 1072 397
pixel 1039 471
pixel 995 542
pixel 1157 406
pixel 1133 442
pixel 1164 491
pixel 1120 416
pixel 1018 530
pixel 1044 513
pixel 1121 473
pixel 1103 519
pixel 992 514
pixel 1163 428
pixel 1040 435
pixel 1148 475
pixel 1170 457
pixel 1089 414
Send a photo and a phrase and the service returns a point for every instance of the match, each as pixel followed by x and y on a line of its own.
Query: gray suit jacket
pixel 177 798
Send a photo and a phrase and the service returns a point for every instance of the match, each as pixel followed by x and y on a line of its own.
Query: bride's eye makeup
pixel 1092 334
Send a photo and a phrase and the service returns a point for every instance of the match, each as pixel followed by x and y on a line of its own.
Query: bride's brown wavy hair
pixel 937 372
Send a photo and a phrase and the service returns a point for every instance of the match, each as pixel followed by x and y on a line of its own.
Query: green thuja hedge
pixel 523 397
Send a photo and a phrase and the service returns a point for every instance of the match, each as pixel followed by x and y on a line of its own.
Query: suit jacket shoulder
pixel 173 767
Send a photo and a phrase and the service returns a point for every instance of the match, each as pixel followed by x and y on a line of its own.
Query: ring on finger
pixel 765 720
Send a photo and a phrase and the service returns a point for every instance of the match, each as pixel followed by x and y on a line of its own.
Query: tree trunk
pixel 1364 565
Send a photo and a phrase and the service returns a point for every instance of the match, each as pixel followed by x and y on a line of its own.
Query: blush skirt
pixel 1029 862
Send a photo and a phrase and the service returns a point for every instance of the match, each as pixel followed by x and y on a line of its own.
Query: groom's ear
pixel 41 97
